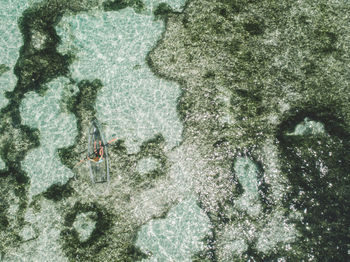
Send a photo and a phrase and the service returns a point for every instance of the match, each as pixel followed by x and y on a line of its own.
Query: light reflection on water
pixel 136 105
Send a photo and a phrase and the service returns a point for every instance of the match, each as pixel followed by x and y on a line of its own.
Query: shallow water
pixel 232 126
pixel 10 42
pixel 57 129
pixel 178 236
pixel 134 104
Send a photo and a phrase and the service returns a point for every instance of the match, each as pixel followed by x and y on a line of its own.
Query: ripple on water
pixel 147 164
pixel 57 129
pixel 178 236
pixel 40 236
pixel 2 164
pixel 10 41
pixel 112 46
pixel 247 173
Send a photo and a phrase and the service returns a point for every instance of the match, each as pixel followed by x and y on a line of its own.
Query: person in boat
pixel 97 156
pixel 98 153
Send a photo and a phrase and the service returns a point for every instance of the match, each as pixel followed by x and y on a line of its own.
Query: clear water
pixel 2 164
pixel 147 164
pixel 135 105
pixel 247 173
pixel 57 129
pixel 308 127
pixel 84 225
pixel 10 41
pixel 41 236
pixel 177 237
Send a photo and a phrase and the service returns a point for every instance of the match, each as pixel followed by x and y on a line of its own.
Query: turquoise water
pixel 147 164
pixel 308 127
pixel 85 225
pixel 57 129
pixel 134 104
pixel 40 236
pixel 10 42
pixel 2 164
pixel 247 173
pixel 242 158
pixel 178 236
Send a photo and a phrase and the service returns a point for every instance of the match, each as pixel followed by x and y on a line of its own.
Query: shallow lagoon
pixel 134 104
pixel 10 42
pixel 201 171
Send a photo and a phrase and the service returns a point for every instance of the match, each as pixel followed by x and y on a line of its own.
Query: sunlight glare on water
pixel 57 129
pixel 40 236
pixel 10 41
pixel 247 173
pixel 112 47
pixel 178 236
pixel 2 164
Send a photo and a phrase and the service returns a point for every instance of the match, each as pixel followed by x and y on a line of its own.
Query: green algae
pixel 9 217
pixel 319 187
pixel 162 11
pixel 17 139
pixel 277 230
pixel 102 238
pixel 115 5
pixel 115 242
pixel 80 104
pixel 72 244
pixel 263 62
pixel 296 60
pixel 122 171
pixel 57 192
pixel 9 16
pixel 3 69
pixel 36 244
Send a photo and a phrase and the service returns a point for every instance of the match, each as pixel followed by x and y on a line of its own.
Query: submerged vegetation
pixel 251 73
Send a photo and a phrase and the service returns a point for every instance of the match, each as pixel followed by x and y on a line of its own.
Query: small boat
pixel 97 154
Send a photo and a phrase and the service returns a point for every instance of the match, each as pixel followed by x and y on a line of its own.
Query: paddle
pixel 88 157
